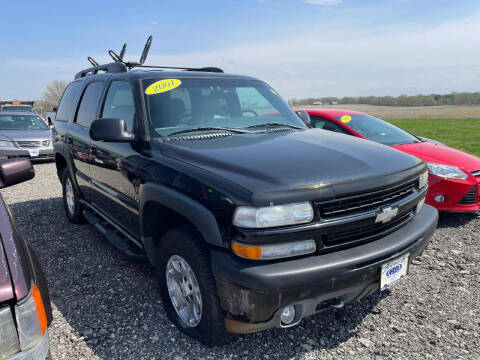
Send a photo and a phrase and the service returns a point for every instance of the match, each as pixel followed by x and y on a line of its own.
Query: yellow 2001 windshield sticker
pixel 345 119
pixel 163 86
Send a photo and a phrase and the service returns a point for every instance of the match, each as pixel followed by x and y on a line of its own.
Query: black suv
pixel 251 219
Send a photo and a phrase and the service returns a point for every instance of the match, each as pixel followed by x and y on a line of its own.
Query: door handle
pixel 69 140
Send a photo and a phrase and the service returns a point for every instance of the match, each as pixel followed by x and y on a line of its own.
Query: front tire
pixel 71 204
pixel 188 288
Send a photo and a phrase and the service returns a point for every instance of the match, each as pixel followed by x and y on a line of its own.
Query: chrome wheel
pixel 70 197
pixel 184 291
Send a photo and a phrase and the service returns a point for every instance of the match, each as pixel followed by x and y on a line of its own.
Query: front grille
pixel 33 144
pixel 364 202
pixel 365 233
pixel 471 197
pixel 476 173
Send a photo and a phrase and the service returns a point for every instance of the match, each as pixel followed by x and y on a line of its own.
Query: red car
pixel 454 176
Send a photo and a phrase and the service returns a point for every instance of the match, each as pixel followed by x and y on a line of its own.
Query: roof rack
pixel 119 65
pixel 116 67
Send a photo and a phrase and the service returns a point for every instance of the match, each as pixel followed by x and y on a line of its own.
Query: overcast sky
pixel 302 48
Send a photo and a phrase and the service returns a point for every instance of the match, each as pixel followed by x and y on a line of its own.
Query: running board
pixel 116 239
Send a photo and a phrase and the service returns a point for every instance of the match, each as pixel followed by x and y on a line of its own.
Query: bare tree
pixel 52 95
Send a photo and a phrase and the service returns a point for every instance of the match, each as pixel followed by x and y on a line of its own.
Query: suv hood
pixel 25 135
pixel 441 154
pixel 270 165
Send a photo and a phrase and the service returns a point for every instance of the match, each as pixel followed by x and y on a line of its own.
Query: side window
pixel 119 103
pixel 87 111
pixel 327 124
pixel 65 108
pixel 331 126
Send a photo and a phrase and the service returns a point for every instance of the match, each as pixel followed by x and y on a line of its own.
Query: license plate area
pixel 34 152
pixel 393 271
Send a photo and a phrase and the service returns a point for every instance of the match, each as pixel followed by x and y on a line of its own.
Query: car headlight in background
pixel 423 180
pixel 6 144
pixel 31 320
pixel 9 344
pixel 446 171
pixel 271 216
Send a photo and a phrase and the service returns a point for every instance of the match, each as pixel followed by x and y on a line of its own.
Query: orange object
pixel 40 308
pixel 16 102
pixel 249 252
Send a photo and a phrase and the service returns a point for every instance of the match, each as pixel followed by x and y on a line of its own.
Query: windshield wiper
pixel 273 124
pixel 209 128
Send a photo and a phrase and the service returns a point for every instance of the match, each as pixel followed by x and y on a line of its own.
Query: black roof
pixel 146 74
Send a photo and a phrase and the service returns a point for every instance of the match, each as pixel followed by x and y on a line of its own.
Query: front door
pixel 112 164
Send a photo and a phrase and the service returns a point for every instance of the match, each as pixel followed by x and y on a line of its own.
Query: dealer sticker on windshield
pixel 345 119
pixel 34 152
pixel 163 86
pixel 393 271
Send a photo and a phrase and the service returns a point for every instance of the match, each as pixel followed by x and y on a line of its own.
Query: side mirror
pixel 110 130
pixel 55 109
pixel 13 172
pixel 302 114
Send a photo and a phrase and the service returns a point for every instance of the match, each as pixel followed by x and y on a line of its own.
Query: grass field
pixel 463 134
pixel 409 112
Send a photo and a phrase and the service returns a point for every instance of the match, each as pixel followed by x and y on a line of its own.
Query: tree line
pixel 454 98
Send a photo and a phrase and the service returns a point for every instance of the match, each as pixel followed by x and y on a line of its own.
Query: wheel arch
pixel 162 208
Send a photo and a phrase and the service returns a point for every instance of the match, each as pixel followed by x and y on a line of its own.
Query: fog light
pixel 288 315
pixel 439 198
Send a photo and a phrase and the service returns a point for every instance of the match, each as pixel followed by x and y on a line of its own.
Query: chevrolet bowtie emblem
pixel 386 215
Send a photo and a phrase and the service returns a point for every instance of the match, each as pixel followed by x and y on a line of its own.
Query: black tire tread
pixel 213 331
pixel 78 217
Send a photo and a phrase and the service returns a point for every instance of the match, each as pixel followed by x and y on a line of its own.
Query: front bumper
pixel 38 352
pixel 453 192
pixel 254 294
pixel 19 153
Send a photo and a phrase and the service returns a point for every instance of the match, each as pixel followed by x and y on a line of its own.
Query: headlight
pixel 31 320
pixel 9 344
pixel 271 216
pixel 274 251
pixel 6 144
pixel 423 180
pixel 446 171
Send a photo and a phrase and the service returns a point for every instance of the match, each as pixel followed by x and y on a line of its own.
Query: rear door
pixel 78 139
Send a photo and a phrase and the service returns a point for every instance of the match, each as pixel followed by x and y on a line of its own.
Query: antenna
pixel 146 49
pixel 92 61
pixel 122 52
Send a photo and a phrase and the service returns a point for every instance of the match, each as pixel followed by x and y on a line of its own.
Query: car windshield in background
pixel 22 122
pixel 183 105
pixel 17 108
pixel 377 130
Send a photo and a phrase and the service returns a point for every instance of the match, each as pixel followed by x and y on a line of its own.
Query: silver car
pixel 24 135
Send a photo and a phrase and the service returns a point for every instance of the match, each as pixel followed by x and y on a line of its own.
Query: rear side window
pixel 87 111
pixel 65 108
pixel 119 103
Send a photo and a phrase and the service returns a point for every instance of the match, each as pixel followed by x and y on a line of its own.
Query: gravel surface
pixel 107 307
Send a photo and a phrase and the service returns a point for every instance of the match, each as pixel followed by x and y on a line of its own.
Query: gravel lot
pixel 107 307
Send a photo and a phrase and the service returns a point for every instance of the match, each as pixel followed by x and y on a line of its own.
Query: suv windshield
pixel 22 122
pixel 179 105
pixel 17 108
pixel 377 130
